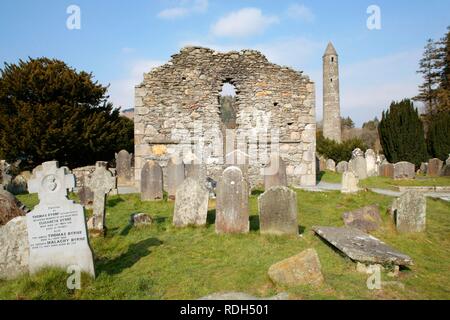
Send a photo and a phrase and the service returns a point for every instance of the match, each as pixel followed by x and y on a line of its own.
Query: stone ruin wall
pixel 187 88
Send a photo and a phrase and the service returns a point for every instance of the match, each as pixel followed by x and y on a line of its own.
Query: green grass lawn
pixel 162 262
pixel 388 183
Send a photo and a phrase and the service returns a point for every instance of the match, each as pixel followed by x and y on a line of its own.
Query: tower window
pixel 331 79
pixel 332 59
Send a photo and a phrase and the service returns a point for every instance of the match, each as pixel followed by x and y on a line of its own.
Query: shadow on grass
pixel 156 220
pixel 114 202
pixel 126 260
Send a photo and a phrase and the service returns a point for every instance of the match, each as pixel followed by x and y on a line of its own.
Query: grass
pixel 388 183
pixel 162 262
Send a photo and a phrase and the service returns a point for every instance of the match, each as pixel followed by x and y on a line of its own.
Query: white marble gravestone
pixel 57 232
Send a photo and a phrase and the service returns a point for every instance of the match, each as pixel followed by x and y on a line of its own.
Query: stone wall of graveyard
pixel 187 89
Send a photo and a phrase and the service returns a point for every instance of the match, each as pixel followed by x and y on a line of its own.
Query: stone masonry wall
pixel 185 91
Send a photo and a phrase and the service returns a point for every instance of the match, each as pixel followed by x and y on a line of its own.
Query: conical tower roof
pixel 330 51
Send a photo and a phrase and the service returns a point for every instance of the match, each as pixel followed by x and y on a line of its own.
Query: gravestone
pixel 322 164
pixel 362 247
pixel 191 204
pixel 410 211
pixel 434 167
pixel 10 207
pixel 387 170
pixel 448 161
pixel 14 249
pixel 357 153
pixel 424 168
pixel 85 193
pixel 151 181
pixel 124 168
pixel 232 202
pixel 349 183
pixel 278 211
pixel 404 170
pixel 175 176
pixel 331 165
pixel 57 233
pixel 101 183
pixel 371 163
pixel 358 166
pixel 275 173
pixel 446 171
pixel 342 167
pixel 366 219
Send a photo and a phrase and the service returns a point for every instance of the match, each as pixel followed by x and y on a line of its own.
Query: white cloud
pixel 301 12
pixel 122 90
pixel 243 23
pixel 185 8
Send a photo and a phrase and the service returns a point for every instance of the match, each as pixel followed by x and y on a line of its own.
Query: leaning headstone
pixel 362 247
pixel 57 233
pixel 404 170
pixel 191 204
pixel 358 166
pixel 278 211
pixel 14 249
pixel 175 176
pixel 434 167
pixel 101 183
pixel 342 167
pixel 275 173
pixel 151 181
pixel 410 211
pixel 349 183
pixel 371 163
pixel 387 170
pixel 331 165
pixel 232 202
pixel 124 169
pixel 366 219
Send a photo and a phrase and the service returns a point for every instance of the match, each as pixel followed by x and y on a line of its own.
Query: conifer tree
pixel 402 135
pixel 438 139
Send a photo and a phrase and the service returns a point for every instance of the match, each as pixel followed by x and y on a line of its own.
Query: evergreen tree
pixel 438 139
pixel 402 135
pixel 444 76
pixel 430 67
pixel 48 111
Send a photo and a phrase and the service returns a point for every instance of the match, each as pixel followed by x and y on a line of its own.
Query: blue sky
pixel 119 40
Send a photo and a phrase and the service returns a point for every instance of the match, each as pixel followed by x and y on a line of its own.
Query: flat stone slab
pixel 242 296
pixel 361 247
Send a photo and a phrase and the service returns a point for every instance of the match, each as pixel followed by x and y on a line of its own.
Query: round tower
pixel 331 99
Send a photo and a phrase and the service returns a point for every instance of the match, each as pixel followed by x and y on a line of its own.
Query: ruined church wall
pixel 185 91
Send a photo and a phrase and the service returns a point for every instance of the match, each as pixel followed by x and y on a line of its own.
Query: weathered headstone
pixel 358 166
pixel 10 207
pixel 349 183
pixel 124 168
pixel 424 167
pixel 57 233
pixel 445 172
pixel 151 181
pixel 232 202
pixel 410 211
pixel 342 167
pixel 191 204
pixel 101 183
pixel 434 167
pixel 302 269
pixel 371 163
pixel 278 211
pixel 361 247
pixel 275 173
pixel 357 153
pixel 141 220
pixel 404 170
pixel 322 164
pixel 387 170
pixel 85 193
pixel 175 176
pixel 331 165
pixel 14 249
pixel 366 219
pixel 448 161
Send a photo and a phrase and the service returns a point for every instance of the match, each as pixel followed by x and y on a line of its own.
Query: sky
pixel 120 40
